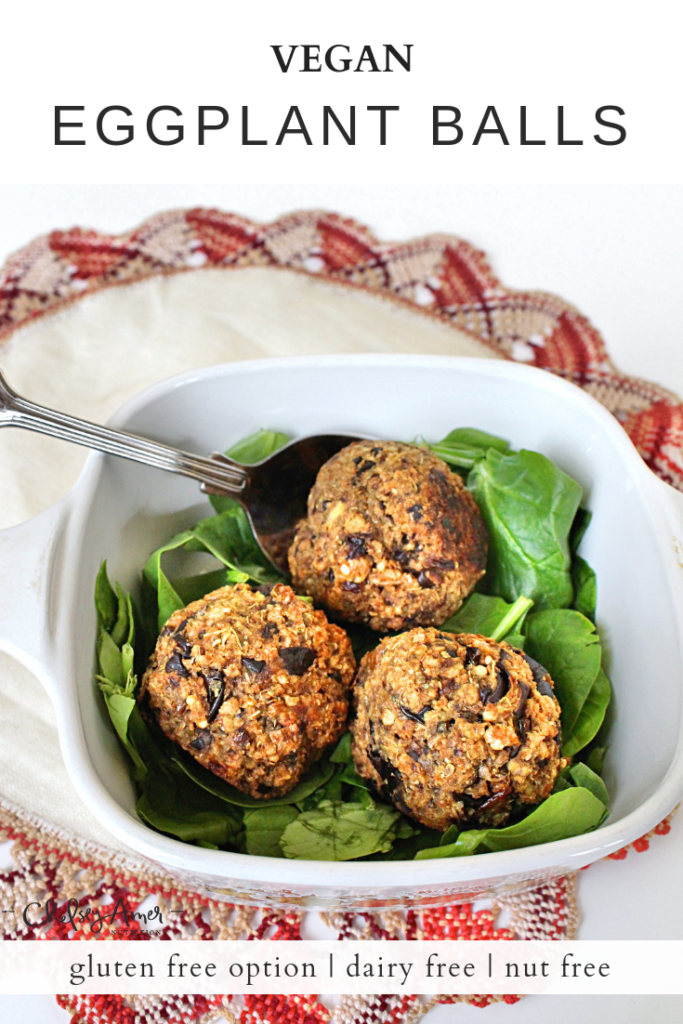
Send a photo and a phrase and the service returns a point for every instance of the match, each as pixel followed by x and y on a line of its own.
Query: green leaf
pixel 145 744
pixel 105 599
pixel 466 446
pixel 169 600
pixel 579 527
pixel 109 656
pixel 257 447
pixel 528 505
pixel 192 588
pixel 476 439
pixel 340 832
pixel 515 640
pixel 585 588
pixel 229 537
pixel 127 657
pixel 317 775
pixel 596 759
pixel 489 616
pixel 342 752
pixel 590 718
pixel 249 451
pixel 212 828
pixel 170 804
pixel 449 836
pixel 350 777
pixel 570 812
pixel 265 827
pixel 120 709
pixel 123 626
pixel 565 642
pixel 582 775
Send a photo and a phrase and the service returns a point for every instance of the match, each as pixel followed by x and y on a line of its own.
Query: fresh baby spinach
pixel 464 447
pixel 538 595
pixel 585 585
pixel 488 616
pixel 341 831
pixel 565 642
pixel 528 505
pixel 264 828
pixel 570 812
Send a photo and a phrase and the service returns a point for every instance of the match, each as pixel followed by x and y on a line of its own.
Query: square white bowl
pixel 122 511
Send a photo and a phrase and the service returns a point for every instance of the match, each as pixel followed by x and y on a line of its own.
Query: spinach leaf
pixel 570 812
pixel 192 588
pixel 342 752
pixel 111 661
pixel 230 538
pixel 596 759
pixel 579 526
pixel 582 775
pixel 106 602
pixel 317 775
pixel 264 828
pixel 489 616
pixel 340 831
pixel 528 505
pixel 565 642
pixel 257 446
pixel 585 588
pixel 591 716
pixel 116 678
pixel 350 777
pixel 171 804
pixel 168 601
pixel 466 446
pixel 515 640
pixel 123 630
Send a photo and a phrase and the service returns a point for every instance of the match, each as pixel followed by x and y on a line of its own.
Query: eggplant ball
pixel 253 684
pixel 455 729
pixel 392 537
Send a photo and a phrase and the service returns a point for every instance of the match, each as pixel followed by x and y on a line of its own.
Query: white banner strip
pixel 329 967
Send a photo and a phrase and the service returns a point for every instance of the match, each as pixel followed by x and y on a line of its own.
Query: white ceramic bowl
pixel 122 511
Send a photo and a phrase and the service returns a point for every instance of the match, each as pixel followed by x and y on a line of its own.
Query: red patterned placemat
pixel 444 278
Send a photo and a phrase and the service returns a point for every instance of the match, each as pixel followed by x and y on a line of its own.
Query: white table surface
pixel 616 252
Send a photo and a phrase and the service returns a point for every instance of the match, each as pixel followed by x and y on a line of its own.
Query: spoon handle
pixel 15 411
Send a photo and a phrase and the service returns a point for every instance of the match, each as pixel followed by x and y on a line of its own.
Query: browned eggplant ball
pixel 392 538
pixel 455 729
pixel 254 685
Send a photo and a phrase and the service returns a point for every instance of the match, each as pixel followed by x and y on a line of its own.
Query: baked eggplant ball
pixel 455 729
pixel 254 684
pixel 392 537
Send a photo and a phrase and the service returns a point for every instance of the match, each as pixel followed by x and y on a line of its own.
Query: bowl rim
pixel 567 854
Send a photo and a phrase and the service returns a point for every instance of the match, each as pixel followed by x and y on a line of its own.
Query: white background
pixel 582 55
pixel 615 252
pixel 612 250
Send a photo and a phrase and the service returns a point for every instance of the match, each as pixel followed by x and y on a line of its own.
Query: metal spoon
pixel 273 492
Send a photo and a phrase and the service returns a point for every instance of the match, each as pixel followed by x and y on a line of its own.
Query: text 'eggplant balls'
pixel 392 538
pixel 455 729
pixel 255 685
